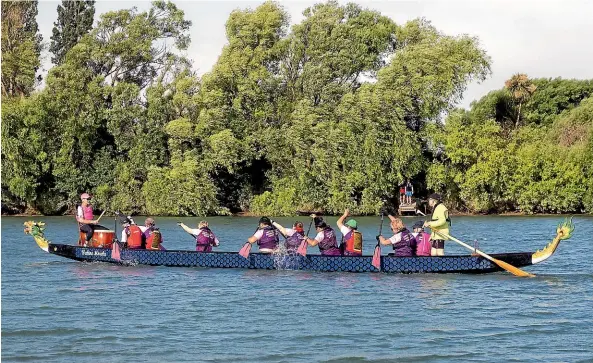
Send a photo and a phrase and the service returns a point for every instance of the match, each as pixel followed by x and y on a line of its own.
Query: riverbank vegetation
pixel 333 112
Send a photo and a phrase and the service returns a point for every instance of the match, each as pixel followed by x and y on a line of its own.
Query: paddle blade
pixel 377 258
pixel 115 252
pixel 302 250
pixel 512 269
pixel 245 250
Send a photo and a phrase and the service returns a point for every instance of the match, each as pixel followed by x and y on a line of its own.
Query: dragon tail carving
pixel 564 231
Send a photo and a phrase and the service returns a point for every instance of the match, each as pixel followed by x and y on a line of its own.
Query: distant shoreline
pixel 249 214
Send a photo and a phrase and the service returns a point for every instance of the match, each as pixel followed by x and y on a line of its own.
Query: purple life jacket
pixel 269 238
pixel 406 247
pixel 329 245
pixel 205 240
pixel 293 242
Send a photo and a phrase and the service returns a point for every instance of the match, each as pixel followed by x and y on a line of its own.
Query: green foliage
pixel 182 189
pixel 75 19
pixel 21 47
pixel 334 112
pixel 485 168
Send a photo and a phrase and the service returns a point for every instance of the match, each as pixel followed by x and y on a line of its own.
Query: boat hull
pixel 389 264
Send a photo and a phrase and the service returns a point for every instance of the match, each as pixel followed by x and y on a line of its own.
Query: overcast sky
pixel 540 38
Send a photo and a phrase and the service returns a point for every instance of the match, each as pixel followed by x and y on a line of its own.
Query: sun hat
pixel 435 196
pixel 85 196
pixel 352 223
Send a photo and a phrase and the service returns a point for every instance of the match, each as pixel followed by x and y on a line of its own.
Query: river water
pixel 55 309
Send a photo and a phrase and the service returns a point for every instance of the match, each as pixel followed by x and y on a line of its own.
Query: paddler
pixel 325 239
pixel 266 236
pixel 205 238
pixel 423 239
pixel 352 239
pixel 403 242
pixel 439 222
pixel 151 235
pixel 84 217
pixel 294 236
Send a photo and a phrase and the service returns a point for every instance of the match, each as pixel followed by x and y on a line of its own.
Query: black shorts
pixel 438 244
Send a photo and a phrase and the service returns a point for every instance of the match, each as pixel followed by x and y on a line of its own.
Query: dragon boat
pixel 472 263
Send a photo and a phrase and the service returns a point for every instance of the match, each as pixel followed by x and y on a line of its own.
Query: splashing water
pixel 285 259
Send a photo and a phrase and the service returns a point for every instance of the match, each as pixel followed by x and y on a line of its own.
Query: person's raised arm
pixel 279 228
pixel 342 218
pixel 185 228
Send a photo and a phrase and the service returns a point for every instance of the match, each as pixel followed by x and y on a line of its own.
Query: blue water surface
pixel 56 310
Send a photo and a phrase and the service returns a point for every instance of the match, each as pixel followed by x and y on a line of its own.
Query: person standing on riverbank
pixel 439 222
pixel 84 217
pixel 409 192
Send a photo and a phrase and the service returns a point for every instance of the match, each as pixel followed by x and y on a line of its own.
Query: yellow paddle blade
pixel 512 269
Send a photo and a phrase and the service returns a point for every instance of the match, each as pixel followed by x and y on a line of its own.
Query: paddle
pixel 302 250
pixel 115 251
pixel 505 266
pixel 377 254
pixel 244 251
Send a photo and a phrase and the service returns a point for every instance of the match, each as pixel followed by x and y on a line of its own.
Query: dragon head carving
pixel 36 229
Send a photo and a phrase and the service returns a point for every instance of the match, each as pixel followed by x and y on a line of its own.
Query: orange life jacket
pixel 135 237
pixel 354 243
pixel 154 240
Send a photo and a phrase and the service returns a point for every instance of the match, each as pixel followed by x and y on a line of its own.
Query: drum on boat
pixel 102 238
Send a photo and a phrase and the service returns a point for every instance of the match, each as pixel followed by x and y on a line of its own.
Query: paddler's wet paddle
pixel 115 251
pixel 302 250
pixel 244 251
pixel 377 254
pixel 506 266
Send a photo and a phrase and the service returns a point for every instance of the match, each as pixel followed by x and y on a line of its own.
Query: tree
pixel 75 19
pixel 97 112
pixel 21 47
pixel 521 89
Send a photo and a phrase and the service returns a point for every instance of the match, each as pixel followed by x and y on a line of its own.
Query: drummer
pixel 205 238
pixel 84 217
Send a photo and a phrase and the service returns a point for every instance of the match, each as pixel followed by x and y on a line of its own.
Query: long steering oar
pixel 506 266
pixel 377 253
pixel 302 250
